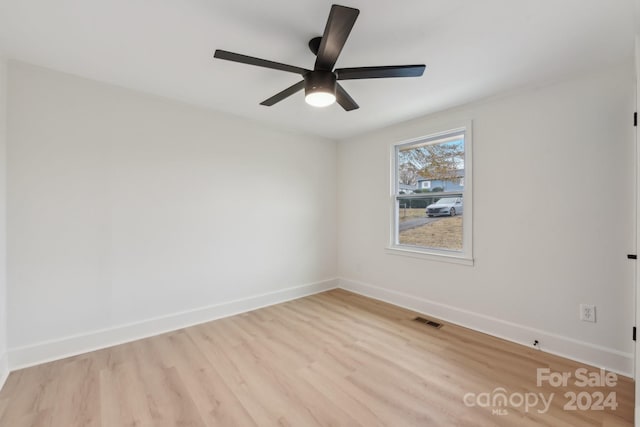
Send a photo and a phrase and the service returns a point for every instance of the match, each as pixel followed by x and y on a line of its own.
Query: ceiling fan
pixel 321 84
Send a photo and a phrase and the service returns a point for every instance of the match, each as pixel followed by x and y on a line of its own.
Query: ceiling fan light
pixel 320 88
pixel 320 99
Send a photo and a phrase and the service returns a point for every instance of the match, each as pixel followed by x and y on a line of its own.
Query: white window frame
pixel 459 257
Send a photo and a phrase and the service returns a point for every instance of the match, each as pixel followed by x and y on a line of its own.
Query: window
pixel 434 220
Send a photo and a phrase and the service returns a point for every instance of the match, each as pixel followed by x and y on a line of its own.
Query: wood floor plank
pixel 79 382
pixel 123 397
pixel 214 399
pixel 263 411
pixel 167 398
pixel 331 359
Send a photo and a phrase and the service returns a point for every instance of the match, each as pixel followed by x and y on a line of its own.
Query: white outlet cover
pixel 588 312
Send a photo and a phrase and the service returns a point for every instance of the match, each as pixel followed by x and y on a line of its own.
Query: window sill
pixel 429 255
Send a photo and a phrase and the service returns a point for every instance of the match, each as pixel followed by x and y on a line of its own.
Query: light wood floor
pixel 330 359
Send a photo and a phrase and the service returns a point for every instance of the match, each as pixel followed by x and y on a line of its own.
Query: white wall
pixel 4 368
pixel 124 207
pixel 553 219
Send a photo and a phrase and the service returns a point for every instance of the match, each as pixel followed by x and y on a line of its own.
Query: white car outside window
pixel 451 206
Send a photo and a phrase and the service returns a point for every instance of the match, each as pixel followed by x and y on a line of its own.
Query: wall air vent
pixel 428 322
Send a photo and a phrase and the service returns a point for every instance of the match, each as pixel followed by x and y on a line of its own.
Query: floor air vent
pixel 428 322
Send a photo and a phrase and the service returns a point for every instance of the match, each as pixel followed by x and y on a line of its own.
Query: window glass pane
pixel 431 222
pixel 430 175
pixel 433 165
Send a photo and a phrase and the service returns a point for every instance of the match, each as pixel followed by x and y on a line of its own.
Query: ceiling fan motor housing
pixel 320 81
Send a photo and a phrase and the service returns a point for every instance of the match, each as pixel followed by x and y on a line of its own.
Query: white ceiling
pixel 472 49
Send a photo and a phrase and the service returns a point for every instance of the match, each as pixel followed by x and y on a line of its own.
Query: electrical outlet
pixel 588 312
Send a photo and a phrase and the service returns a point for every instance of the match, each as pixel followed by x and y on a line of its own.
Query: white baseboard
pixel 48 351
pixel 580 351
pixel 22 357
pixel 4 369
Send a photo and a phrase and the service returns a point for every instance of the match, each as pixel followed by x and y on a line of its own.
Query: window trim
pixel 465 256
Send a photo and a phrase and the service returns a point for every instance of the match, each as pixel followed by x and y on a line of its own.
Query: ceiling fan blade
pixel 380 72
pixel 343 98
pixel 339 25
pixel 284 94
pixel 244 59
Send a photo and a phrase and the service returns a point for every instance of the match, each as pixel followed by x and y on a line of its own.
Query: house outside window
pixel 435 220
